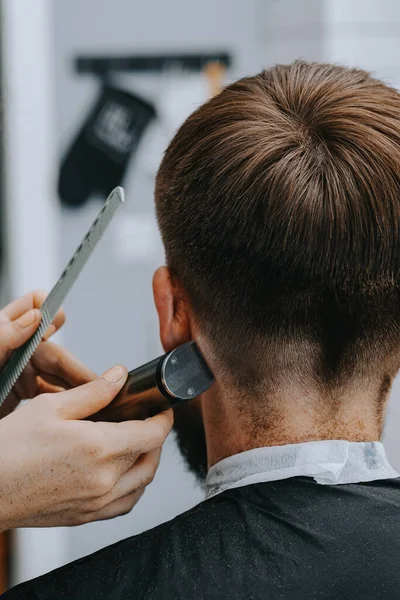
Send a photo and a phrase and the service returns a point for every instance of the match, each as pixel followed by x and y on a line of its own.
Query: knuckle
pixel 52 354
pixel 135 449
pixel 126 509
pixel 104 481
pixel 133 499
pixel 148 473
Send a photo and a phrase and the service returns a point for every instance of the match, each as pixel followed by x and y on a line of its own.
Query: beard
pixel 191 439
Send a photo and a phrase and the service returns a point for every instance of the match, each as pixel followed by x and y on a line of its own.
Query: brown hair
pixel 278 203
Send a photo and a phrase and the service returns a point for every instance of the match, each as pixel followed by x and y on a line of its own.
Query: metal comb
pixel 20 358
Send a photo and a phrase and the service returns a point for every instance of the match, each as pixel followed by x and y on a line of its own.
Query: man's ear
pixel 173 309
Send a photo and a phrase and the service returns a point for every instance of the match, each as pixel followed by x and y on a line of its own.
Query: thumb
pixel 85 400
pixel 15 333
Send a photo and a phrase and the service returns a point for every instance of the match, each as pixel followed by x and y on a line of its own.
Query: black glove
pixel 98 158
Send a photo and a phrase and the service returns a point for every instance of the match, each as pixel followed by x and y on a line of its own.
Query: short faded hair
pixel 279 206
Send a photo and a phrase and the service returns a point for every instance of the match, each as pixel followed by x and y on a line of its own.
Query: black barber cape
pixel 283 539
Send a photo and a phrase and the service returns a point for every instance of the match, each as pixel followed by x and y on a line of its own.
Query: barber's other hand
pixel 56 469
pixel 18 322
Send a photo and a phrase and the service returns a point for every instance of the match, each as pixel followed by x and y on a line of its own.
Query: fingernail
pixel 28 318
pixel 114 374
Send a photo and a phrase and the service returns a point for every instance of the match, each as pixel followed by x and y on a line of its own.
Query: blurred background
pixel 92 91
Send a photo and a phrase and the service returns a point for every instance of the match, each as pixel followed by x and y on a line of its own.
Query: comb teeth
pixel 20 358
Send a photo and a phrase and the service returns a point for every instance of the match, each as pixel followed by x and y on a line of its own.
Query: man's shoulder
pixel 138 562
pixel 231 541
pixel 180 538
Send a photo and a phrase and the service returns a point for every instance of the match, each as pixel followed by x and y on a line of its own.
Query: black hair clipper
pixel 176 377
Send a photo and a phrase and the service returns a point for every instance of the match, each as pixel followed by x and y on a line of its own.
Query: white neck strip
pixel 329 462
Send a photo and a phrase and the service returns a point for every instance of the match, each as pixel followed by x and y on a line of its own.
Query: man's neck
pixel 234 424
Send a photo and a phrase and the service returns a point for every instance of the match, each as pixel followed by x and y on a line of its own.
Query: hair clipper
pixel 173 378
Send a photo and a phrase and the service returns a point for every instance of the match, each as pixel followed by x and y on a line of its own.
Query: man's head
pixel 279 206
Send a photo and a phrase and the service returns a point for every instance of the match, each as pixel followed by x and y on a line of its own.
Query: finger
pixel 49 332
pixel 140 474
pixel 26 386
pixel 89 398
pixel 119 507
pixel 130 439
pixel 57 323
pixel 15 333
pixel 44 387
pixel 53 381
pixel 144 436
pixel 30 301
pixel 18 307
pixel 53 361
pixel 59 319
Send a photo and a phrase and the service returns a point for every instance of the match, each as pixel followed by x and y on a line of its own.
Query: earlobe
pixel 172 309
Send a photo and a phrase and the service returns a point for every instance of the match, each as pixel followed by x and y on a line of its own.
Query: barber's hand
pixel 50 366
pixel 56 469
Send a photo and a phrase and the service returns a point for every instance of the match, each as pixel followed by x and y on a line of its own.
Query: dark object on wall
pixel 102 66
pixel 97 159
pixel 99 155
